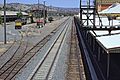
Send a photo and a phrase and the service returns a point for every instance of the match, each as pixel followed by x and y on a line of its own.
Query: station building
pixel 104 4
pixel 12 15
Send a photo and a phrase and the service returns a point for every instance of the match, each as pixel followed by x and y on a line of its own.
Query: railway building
pixel 12 15
pixel 104 4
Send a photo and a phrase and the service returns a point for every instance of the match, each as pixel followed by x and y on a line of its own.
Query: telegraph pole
pixel 44 13
pixel 5 22
pixel 38 10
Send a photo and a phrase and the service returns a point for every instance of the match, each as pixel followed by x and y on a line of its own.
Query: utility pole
pixel 5 22
pixel 81 13
pixel 44 13
pixel 101 6
pixel 50 10
pixel 38 10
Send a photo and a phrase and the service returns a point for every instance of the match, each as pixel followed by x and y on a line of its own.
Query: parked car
pixel 24 21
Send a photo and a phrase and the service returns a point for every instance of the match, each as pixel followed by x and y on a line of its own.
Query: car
pixel 24 21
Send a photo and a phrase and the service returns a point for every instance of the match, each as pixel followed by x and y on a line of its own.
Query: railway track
pixel 44 69
pixel 20 58
pixel 75 64
pixel 18 49
pixel 10 52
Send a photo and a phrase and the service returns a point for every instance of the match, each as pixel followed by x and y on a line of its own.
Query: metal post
pixel 80 13
pixel 89 3
pixel 108 65
pixel 99 54
pixel 4 21
pixel 80 3
pixel 112 21
pixel 44 13
pixel 94 14
pixel 88 6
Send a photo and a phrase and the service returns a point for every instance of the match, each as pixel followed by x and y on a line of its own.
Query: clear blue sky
pixel 57 3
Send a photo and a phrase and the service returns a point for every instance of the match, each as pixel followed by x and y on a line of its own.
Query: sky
pixel 56 3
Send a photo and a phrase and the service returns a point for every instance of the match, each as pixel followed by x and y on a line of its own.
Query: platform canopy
pixel 12 13
pixel 107 1
pixel 113 10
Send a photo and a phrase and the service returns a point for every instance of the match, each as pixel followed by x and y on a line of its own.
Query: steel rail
pixel 49 51
pixel 30 51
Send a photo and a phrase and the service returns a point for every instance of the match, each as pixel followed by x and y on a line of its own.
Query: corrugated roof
pixel 111 41
pixel 113 9
pixel 12 13
pixel 107 1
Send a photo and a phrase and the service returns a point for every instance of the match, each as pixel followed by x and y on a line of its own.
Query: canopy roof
pixel 110 41
pixel 12 13
pixel 112 10
pixel 107 1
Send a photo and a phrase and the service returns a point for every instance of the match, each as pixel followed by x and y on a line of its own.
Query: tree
pixel 50 19
pixel 0 8
pixel 31 17
pixel 12 8
pixel 1 20
pixel 19 15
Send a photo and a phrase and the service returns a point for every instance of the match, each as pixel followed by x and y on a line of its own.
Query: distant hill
pixel 27 7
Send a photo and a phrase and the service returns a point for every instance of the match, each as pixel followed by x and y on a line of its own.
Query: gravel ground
pixel 24 74
pixel 34 34
pixel 58 72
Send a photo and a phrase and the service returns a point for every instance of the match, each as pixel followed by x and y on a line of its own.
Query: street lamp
pixel 4 21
